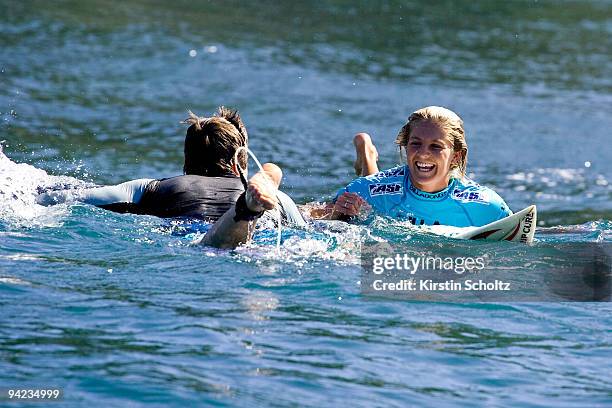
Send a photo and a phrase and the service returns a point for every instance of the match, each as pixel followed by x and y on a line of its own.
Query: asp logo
pixel 470 195
pixel 399 171
pixel 385 188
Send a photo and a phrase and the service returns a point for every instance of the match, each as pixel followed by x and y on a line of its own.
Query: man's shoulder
pixel 190 179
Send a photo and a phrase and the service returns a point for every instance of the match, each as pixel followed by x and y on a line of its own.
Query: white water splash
pixel 13 281
pixel 20 184
pixel 322 240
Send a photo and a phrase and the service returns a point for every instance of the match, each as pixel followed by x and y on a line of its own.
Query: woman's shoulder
pixel 395 174
pixel 481 198
pixel 384 182
pixel 392 173
pixel 463 186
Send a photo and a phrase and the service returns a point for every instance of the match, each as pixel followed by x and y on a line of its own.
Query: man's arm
pixel 128 192
pixel 233 228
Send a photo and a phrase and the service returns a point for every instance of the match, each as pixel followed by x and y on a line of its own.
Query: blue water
pixel 121 310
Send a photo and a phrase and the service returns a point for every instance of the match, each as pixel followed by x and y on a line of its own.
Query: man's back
pixel 191 196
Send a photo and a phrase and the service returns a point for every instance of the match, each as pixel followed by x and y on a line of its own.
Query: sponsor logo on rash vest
pixel 429 196
pixel 391 173
pixel 470 194
pixel 385 188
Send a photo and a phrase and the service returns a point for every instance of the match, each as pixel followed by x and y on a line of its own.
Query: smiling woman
pixel 435 145
pixel 431 188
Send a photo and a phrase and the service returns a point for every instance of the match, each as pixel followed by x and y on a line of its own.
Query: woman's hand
pixel 347 205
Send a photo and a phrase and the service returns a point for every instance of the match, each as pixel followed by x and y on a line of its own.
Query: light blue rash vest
pixel 463 203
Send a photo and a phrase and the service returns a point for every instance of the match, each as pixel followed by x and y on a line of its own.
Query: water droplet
pixel 193 53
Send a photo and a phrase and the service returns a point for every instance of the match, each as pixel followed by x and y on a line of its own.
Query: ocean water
pixel 122 310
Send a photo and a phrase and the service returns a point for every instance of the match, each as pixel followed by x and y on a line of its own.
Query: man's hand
pixel 262 188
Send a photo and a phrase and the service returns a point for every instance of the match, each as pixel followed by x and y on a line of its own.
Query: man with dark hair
pixel 211 143
pixel 211 185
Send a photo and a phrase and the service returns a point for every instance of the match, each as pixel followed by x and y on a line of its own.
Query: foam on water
pixel 326 241
pixel 13 281
pixel 20 184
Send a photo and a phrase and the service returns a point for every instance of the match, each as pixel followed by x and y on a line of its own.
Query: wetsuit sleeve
pixel 383 191
pixel 340 191
pixel 359 186
pixel 129 192
pixel 289 211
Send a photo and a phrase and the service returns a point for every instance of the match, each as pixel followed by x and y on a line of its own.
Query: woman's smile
pixel 430 156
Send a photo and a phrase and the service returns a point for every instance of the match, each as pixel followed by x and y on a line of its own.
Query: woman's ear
pixel 456 160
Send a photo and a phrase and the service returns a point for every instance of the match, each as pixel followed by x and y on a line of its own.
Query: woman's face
pixel 430 155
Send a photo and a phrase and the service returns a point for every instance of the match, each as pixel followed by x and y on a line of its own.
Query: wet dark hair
pixel 211 143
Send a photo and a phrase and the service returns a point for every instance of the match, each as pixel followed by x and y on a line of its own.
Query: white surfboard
pixel 519 227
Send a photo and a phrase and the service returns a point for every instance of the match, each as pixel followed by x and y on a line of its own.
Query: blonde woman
pixel 431 188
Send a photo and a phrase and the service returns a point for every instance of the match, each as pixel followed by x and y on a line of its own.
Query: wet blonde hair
pixel 452 126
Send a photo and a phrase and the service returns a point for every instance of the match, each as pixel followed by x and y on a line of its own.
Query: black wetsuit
pixel 206 198
pixel 185 196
